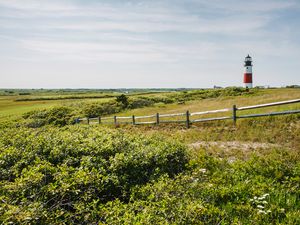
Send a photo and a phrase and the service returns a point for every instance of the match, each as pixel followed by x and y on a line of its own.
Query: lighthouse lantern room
pixel 248 72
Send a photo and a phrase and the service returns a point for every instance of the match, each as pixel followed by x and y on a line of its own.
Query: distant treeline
pixel 58 97
pixel 88 91
pixel 40 98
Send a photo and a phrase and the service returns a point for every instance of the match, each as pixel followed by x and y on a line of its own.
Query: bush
pixel 58 116
pixel 52 175
pixel 86 175
pixel 96 109
pixel 123 100
pixel 210 93
pixel 140 103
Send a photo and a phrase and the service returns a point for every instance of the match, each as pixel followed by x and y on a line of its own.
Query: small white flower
pixel 261 212
pixel 203 170
pixel 260 206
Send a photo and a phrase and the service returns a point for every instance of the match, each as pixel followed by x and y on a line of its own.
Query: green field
pixel 16 103
pixel 53 171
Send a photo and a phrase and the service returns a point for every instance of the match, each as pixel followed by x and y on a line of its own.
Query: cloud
pixel 108 18
pixel 145 30
pixel 39 5
pixel 125 52
pixel 253 6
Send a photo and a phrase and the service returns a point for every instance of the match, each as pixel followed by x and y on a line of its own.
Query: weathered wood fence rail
pixel 187 117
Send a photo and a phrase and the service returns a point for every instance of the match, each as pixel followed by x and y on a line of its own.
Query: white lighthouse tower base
pixel 248 85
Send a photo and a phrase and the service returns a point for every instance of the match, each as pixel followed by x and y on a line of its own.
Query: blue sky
pixel 154 43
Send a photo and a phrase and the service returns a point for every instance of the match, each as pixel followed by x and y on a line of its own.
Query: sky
pixel 147 43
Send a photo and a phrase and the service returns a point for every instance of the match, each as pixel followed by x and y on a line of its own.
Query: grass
pixel 264 96
pixel 13 106
pixel 283 130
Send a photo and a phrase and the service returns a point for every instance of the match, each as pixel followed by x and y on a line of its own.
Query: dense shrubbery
pixel 208 93
pixel 107 108
pixel 58 116
pixel 84 175
pixel 96 109
pixel 63 115
pixel 263 190
pixel 53 175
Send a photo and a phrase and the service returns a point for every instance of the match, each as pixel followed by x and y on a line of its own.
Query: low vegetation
pixel 55 172
pixel 54 175
pixel 81 174
pixel 64 115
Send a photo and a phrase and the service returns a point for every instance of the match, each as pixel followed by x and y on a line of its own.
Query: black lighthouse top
pixel 248 60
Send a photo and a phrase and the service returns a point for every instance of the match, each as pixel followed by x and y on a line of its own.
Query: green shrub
pixel 210 93
pixel 140 103
pixel 86 175
pixel 97 109
pixel 58 116
pixel 123 100
pixel 52 174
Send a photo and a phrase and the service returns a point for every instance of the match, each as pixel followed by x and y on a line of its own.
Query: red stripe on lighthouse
pixel 247 77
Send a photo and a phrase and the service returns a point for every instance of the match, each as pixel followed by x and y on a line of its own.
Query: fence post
pixel 88 120
pixel 234 109
pixel 157 118
pixel 99 119
pixel 187 119
pixel 115 120
pixel 133 120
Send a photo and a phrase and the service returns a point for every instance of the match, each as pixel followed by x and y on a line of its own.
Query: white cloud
pixel 198 36
pixel 38 5
pixel 109 51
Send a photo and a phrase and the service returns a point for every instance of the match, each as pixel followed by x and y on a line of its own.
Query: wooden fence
pixel 188 118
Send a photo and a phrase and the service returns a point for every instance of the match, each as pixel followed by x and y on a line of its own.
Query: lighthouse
pixel 248 72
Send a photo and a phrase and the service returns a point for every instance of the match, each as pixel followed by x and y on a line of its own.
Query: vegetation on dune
pixel 52 172
pixel 52 175
pixel 204 94
pixel 281 130
pixel 64 115
pixel 85 175
pixel 58 116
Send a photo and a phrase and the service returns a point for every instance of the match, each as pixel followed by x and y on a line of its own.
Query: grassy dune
pixel 263 96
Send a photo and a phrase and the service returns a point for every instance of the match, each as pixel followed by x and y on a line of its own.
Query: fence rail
pixel 187 116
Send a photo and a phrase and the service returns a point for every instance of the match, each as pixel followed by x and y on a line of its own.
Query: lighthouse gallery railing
pixel 187 117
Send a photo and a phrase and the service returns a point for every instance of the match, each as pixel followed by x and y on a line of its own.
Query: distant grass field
pixel 14 105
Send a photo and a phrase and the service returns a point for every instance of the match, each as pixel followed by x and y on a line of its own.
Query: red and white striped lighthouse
pixel 248 72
